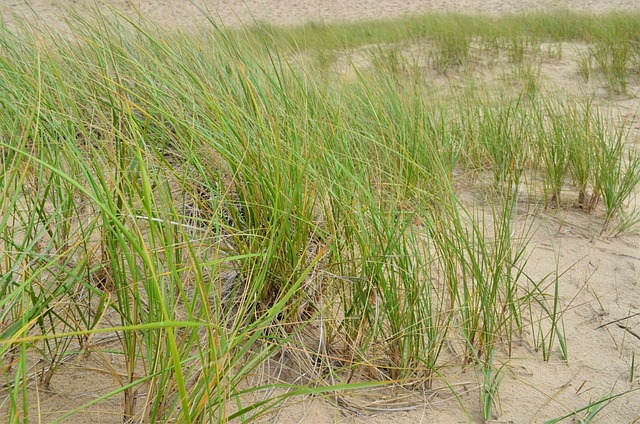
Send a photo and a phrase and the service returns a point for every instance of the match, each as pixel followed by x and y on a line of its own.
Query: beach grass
pixel 225 222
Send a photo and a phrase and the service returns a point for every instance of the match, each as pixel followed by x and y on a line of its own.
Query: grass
pixel 241 224
pixel 515 30
pixel 590 410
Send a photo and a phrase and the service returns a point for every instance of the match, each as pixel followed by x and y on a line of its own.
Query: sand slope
pixel 186 12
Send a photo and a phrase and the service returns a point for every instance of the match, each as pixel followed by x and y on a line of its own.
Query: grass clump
pixel 612 58
pixel 452 45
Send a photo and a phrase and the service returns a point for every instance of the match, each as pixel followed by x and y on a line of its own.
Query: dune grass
pixel 557 25
pixel 235 227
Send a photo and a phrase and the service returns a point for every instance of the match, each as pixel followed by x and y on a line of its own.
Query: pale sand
pixel 600 285
pixel 288 12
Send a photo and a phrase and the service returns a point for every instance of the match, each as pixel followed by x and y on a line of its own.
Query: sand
pixel 598 290
pixel 288 12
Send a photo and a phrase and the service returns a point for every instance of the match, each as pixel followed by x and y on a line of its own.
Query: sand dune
pixel 289 12
pixel 601 285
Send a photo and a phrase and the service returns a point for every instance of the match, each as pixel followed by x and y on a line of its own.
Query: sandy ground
pixel 598 290
pixel 188 12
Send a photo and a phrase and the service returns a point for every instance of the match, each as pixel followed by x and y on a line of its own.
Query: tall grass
pixel 553 25
pixel 244 230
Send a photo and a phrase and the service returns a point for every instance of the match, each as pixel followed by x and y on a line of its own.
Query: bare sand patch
pixel 287 12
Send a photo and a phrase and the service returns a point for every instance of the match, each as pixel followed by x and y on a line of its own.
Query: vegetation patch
pixel 225 220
